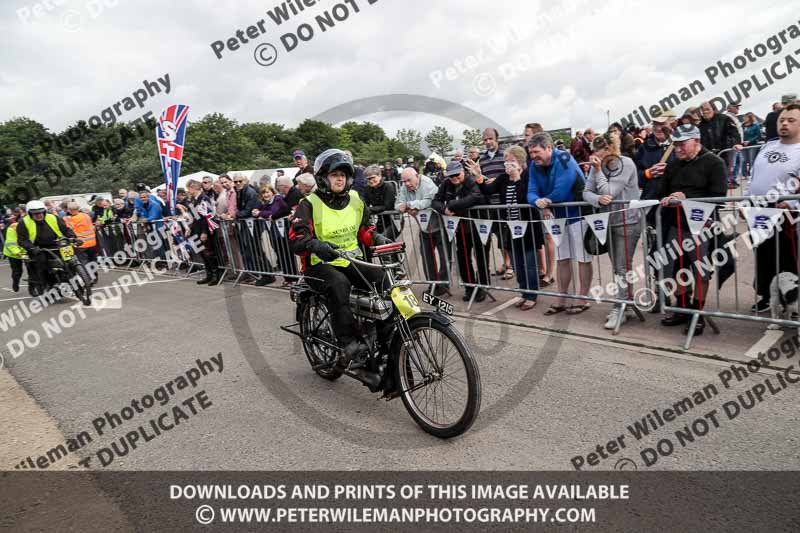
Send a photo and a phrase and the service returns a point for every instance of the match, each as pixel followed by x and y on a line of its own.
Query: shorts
pixel 571 245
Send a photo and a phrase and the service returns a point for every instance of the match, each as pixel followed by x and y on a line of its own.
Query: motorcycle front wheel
pixel 438 378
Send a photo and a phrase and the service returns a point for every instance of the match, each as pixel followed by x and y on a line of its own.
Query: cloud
pixel 562 64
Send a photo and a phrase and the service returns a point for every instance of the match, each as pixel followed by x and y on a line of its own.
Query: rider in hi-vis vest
pixel 14 253
pixel 331 219
pixel 39 229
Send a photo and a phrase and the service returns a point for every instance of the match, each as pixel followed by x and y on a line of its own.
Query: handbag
pixel 592 245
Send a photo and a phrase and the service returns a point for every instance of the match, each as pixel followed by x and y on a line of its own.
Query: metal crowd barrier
pixel 469 251
pixel 724 260
pixel 729 156
pixel 527 253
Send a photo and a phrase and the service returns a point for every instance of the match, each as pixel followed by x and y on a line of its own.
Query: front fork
pixel 413 350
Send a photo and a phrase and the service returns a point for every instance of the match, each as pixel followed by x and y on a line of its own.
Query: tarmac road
pixel 546 398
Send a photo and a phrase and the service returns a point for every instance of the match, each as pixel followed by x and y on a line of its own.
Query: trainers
pixel 761 306
pixel 613 316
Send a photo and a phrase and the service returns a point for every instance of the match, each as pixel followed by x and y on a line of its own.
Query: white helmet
pixel 35 206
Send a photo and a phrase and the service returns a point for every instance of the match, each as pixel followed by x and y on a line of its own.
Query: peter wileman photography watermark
pixel 507 53
pixel 266 53
pixel 779 69
pixel 72 19
pixel 92 149
pixel 158 423
pixel 760 390
pixel 20 314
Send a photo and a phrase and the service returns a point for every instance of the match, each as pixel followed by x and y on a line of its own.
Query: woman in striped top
pixel 512 187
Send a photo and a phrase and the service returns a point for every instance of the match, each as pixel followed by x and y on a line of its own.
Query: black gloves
pixel 379 239
pixel 324 250
pixel 34 250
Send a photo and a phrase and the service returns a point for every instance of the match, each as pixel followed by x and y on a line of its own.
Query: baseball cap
pixel 453 168
pixel 685 132
pixel 410 160
pixel 787 99
pixel 141 187
pixel 298 153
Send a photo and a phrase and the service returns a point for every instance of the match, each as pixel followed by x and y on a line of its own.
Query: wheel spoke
pixel 444 400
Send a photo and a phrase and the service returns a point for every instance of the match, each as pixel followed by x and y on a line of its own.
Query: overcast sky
pixel 575 59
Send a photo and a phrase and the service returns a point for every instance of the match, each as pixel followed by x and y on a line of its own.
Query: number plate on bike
pixel 442 305
pixel 66 252
pixel 405 301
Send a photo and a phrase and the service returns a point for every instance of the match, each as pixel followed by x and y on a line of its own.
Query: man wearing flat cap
pixel 694 173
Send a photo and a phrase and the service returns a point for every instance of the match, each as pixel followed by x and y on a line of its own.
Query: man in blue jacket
pixel 555 177
pixel 150 214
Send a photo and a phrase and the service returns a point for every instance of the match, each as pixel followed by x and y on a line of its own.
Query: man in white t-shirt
pixel 777 169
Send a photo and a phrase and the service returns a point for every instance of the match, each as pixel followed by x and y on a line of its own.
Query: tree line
pixel 36 162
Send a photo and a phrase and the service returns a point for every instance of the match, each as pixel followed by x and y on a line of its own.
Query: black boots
pixel 265 279
pixel 701 322
pixel 353 354
pixel 480 295
pixel 212 278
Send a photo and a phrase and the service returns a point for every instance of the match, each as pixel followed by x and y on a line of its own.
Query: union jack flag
pixel 207 213
pixel 170 135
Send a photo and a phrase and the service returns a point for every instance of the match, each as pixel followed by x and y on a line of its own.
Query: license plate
pixel 442 305
pixel 66 252
pixel 405 301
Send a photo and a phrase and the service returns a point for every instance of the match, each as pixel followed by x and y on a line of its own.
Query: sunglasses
pixel 238 181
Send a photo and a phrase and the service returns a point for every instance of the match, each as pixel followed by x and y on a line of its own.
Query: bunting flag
pixel 599 224
pixel 424 218
pixel 450 224
pixel 518 228
pixel 761 222
pixel 555 227
pixel 642 204
pixel 697 214
pixel 281 225
pixel 170 136
pixel 484 229
pixel 208 214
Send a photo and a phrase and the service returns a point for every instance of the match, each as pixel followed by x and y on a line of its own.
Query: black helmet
pixel 329 161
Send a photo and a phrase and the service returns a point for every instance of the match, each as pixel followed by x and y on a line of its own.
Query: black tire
pixel 435 337
pixel 84 291
pixel 311 314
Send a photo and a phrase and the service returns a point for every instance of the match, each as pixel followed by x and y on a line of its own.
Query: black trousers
pixel 88 255
pixel 335 283
pixel 16 269
pixel 210 254
pixel 767 265
pixel 430 244
pixel 467 240
pixel 37 273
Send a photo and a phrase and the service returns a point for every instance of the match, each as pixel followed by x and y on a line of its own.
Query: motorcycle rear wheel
pixel 315 321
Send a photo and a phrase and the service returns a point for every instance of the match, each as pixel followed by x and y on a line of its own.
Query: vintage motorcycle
pixel 416 355
pixel 63 266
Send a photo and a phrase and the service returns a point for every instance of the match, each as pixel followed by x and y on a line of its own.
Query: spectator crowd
pixel 701 153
